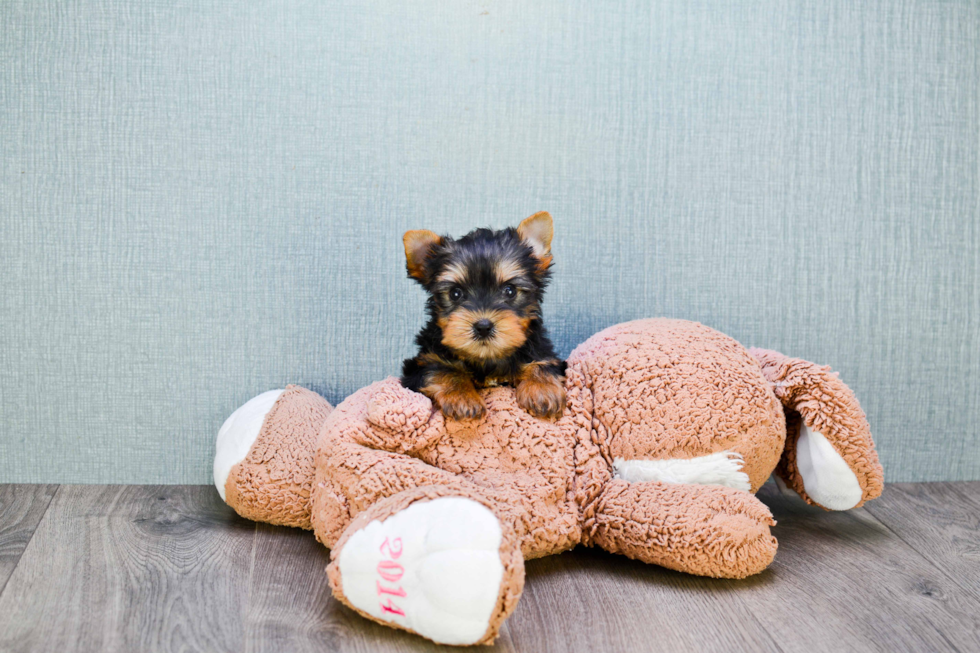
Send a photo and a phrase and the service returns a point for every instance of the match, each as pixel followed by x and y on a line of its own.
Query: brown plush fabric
pixel 644 390
pixel 678 389
pixel 273 483
pixel 525 464
pixel 816 395
pixel 707 530
pixel 510 554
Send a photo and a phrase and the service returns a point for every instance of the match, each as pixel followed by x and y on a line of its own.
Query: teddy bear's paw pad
pixel 237 435
pixel 433 568
pixel 827 478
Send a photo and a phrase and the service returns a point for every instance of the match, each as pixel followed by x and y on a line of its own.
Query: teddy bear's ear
pixel 419 244
pixel 537 231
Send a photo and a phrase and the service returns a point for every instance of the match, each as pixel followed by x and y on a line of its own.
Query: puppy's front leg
pixel 541 389
pixel 453 390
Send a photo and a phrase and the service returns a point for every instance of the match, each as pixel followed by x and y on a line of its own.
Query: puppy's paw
pixel 462 405
pixel 455 394
pixel 542 397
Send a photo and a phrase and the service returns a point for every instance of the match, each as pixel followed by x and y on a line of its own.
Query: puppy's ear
pixel 418 246
pixel 537 232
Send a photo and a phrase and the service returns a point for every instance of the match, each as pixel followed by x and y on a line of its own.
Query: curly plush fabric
pixel 669 389
pixel 700 529
pixel 816 396
pixel 274 482
pixel 668 422
pixel 524 465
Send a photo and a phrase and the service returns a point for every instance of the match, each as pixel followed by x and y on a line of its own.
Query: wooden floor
pixel 171 568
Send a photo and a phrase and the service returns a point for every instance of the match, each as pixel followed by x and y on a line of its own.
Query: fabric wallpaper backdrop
pixel 201 201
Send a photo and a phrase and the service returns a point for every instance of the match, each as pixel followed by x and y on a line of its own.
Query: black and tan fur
pixel 484 329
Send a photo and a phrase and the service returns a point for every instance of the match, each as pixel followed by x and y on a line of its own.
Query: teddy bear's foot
pixel 263 463
pixel 706 530
pixel 237 435
pixel 829 458
pixel 441 568
pixel 826 477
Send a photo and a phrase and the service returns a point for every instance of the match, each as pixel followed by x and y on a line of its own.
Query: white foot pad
pixel 238 433
pixel 827 478
pixel 433 568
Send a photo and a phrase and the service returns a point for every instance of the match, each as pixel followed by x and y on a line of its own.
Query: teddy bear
pixel 669 430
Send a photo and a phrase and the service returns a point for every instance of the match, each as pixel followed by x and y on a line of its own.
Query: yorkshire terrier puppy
pixel 484 329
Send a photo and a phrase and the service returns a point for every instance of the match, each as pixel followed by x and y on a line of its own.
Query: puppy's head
pixel 485 288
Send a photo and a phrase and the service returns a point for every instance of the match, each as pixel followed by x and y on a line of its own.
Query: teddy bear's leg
pixel 708 530
pixel 263 463
pixel 352 477
pixel 439 561
pixel 829 457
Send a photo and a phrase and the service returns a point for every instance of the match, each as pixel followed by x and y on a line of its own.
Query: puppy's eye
pixel 456 294
pixel 510 292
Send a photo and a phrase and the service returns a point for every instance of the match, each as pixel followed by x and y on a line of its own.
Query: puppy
pixel 484 329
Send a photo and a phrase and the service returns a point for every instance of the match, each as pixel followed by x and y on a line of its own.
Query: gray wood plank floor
pixel 171 568
pixel 21 508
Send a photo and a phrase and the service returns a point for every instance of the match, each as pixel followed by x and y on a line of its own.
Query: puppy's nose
pixel 483 328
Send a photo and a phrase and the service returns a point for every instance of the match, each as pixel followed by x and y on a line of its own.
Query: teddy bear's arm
pixel 829 458
pixel 399 420
pixel 351 477
pixel 708 530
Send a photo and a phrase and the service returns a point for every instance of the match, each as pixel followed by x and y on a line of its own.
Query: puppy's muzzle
pixel 483 329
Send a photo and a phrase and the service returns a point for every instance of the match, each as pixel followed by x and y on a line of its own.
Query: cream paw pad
pixel 238 434
pixel 433 568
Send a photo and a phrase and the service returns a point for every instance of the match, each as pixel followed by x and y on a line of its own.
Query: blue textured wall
pixel 202 201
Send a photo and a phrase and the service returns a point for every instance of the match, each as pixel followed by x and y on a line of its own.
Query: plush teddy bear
pixel 670 429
